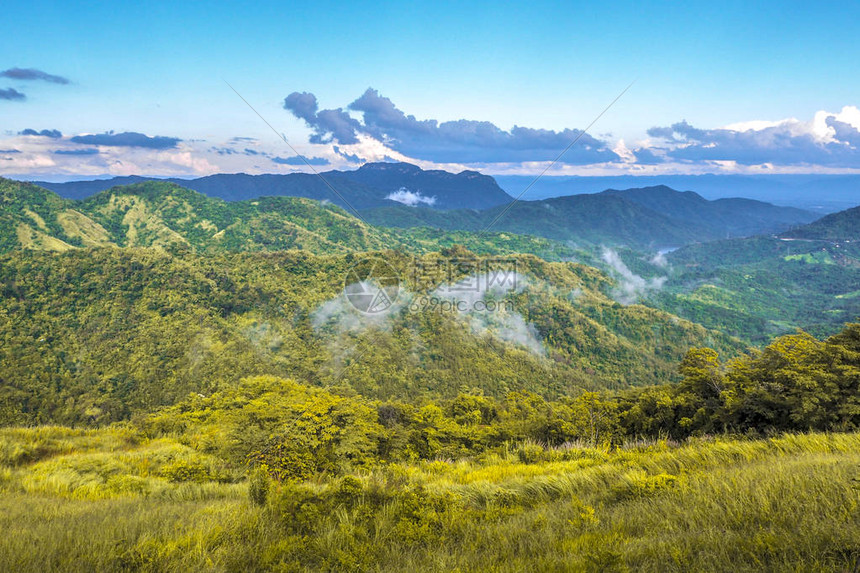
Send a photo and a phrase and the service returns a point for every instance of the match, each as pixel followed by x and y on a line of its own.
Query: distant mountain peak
pixel 655 190
pixel 400 167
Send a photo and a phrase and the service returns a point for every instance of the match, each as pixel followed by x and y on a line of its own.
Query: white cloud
pixel 756 124
pixel 827 140
pixel 624 152
pixel 411 198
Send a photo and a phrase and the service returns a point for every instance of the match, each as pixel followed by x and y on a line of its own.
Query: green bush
pixel 530 452
pixel 185 470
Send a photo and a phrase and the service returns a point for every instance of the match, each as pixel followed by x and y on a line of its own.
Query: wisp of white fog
pixel 660 260
pixel 630 287
pixel 342 316
pixel 509 325
pixel 503 323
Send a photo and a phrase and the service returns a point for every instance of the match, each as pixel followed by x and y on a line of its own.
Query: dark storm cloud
pixel 351 157
pixel 303 105
pixel 329 125
pixel 645 156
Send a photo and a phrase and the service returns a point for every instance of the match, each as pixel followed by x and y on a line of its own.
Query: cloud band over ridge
pixel 460 141
pixel 829 139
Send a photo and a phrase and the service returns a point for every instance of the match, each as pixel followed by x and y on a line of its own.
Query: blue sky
pixel 765 88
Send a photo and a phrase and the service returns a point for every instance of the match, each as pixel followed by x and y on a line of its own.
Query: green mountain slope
pixel 841 226
pixel 581 219
pixel 155 214
pixel 759 287
pixel 596 219
pixel 98 334
pixel 648 219
pixel 164 215
pixel 724 218
pixel 33 217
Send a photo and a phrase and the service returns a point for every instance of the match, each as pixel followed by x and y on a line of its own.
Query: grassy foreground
pixel 79 500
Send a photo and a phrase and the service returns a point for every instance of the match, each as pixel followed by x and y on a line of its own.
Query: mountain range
pixel 404 195
pixel 164 215
pixel 820 193
pixel 372 185
pixel 153 212
pixel 648 218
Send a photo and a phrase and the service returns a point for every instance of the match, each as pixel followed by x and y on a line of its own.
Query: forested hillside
pixel 96 335
pixel 760 287
pixel 841 226
pixel 646 219
pixel 727 217
pixel 162 214
pixel 585 218
pixel 404 196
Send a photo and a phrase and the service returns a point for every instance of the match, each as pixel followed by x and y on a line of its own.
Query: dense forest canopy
pixel 97 335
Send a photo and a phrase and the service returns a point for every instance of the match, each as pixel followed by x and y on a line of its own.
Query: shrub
pixel 185 470
pixel 285 461
pixel 530 453
pixel 349 491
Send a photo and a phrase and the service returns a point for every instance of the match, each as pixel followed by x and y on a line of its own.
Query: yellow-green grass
pixel 789 503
